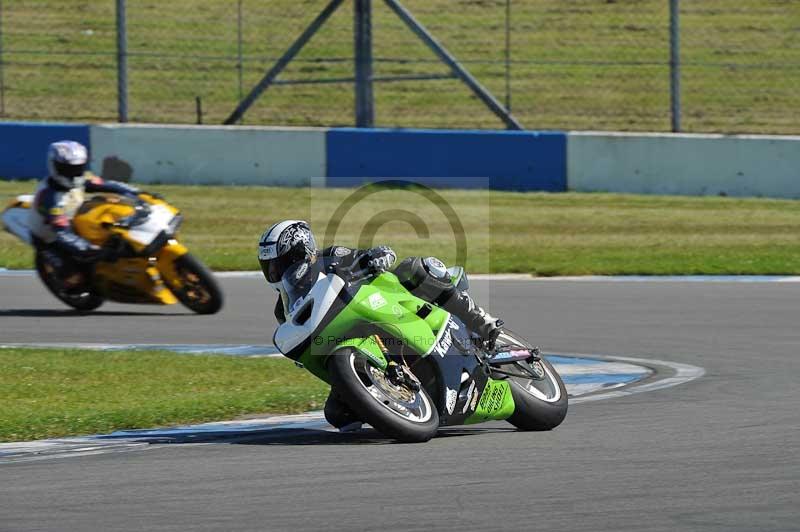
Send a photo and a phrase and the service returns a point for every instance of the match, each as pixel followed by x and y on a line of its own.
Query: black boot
pixel 477 319
pixel 339 415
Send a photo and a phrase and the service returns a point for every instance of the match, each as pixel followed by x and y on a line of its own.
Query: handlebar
pixel 355 272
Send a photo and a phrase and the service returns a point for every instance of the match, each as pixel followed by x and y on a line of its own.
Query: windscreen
pixel 298 280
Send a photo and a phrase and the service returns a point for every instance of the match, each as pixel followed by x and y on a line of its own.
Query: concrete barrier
pixel 737 165
pixel 237 155
pixel 639 163
pixel 23 146
pixel 501 160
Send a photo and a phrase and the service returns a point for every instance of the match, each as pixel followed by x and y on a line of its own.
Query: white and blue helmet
pixel 284 245
pixel 66 161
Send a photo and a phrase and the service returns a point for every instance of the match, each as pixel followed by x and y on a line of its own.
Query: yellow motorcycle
pixel 151 265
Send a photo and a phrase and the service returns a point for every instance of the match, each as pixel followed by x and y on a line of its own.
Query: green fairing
pixel 385 303
pixel 496 403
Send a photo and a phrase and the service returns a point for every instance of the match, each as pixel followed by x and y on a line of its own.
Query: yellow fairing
pixel 155 201
pixel 93 219
pixel 134 280
pixel 166 257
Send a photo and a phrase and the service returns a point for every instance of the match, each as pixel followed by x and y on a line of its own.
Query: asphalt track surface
pixel 719 453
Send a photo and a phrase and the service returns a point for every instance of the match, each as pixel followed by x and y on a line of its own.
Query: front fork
pixel 166 260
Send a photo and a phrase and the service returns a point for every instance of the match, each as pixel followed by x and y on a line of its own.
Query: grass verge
pixel 53 392
pixel 539 233
pixel 578 64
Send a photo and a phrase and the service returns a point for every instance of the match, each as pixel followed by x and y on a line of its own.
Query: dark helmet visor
pixel 273 269
pixel 69 170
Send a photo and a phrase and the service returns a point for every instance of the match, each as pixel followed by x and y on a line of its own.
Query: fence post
pixel 508 55
pixel 2 67
pixel 365 109
pixel 285 59
pixel 675 64
pixel 457 68
pixel 122 63
pixel 240 46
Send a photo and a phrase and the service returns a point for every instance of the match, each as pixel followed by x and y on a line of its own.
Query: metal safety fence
pixel 637 65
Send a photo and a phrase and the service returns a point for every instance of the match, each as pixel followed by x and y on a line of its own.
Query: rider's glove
pixel 381 258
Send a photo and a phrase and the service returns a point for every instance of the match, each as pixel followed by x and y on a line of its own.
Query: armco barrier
pixel 239 155
pixel 23 146
pixel 737 165
pixel 505 160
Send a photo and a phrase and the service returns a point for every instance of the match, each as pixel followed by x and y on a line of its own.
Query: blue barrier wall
pixel 23 146
pixel 503 160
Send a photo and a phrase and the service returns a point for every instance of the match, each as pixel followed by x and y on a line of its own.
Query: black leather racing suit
pixel 54 207
pixel 50 220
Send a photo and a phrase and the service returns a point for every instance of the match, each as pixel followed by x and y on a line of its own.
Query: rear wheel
pixel 540 397
pixel 82 297
pixel 394 410
pixel 194 286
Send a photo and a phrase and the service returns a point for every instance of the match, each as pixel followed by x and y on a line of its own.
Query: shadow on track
pixel 68 313
pixel 300 436
pixel 362 437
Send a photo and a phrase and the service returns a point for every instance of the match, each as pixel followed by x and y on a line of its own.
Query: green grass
pixel 543 234
pixel 577 64
pixel 50 392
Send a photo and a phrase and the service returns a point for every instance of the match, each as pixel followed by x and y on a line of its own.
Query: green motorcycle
pixel 407 367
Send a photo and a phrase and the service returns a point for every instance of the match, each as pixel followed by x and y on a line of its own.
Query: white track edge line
pixel 684 373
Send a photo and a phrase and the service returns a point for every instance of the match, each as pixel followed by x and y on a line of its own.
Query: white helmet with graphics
pixel 66 162
pixel 283 245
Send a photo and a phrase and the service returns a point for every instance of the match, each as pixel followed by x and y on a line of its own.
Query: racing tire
pixel 85 301
pixel 199 291
pixel 352 382
pixel 534 414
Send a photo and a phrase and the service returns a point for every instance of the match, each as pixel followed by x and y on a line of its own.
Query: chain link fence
pixel 582 64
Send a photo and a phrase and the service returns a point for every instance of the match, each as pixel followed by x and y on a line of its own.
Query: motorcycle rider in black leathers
pixel 290 242
pixel 57 199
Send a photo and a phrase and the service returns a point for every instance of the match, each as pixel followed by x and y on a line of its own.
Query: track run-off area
pixel 717 453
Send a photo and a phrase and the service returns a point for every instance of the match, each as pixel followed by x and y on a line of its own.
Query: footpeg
pixel 512 354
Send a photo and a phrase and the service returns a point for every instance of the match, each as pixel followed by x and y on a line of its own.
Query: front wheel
pixel 194 285
pixel 394 410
